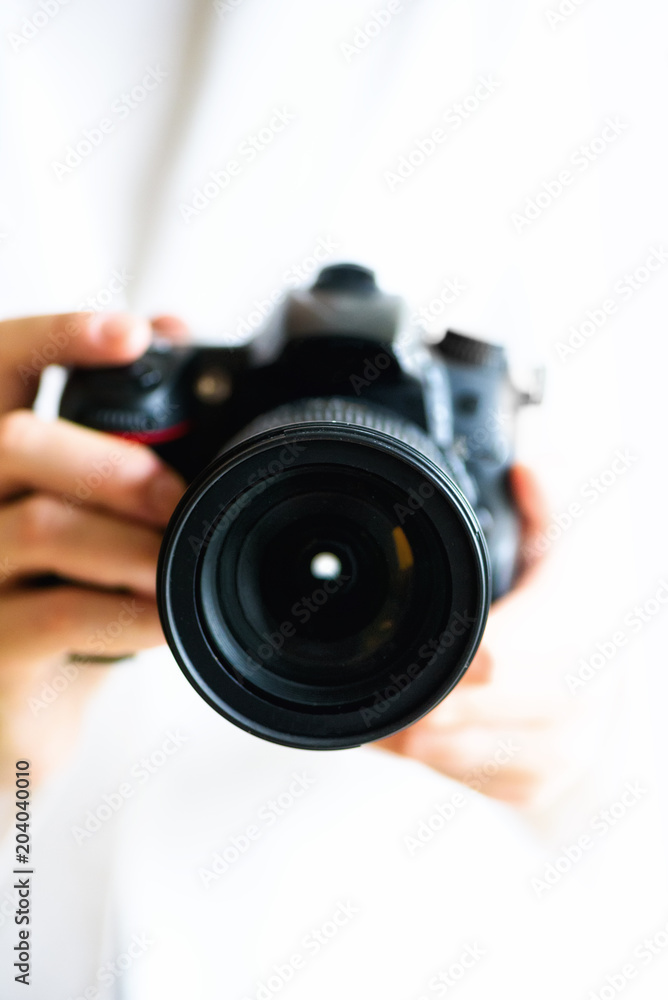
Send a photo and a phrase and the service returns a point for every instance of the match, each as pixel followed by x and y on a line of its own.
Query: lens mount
pixel 323 584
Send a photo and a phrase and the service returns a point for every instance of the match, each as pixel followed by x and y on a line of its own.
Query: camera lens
pixel 324 583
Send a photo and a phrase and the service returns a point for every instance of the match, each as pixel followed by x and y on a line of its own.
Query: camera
pixel 326 578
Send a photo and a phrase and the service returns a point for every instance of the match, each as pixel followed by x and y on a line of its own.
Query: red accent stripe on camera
pixel 158 436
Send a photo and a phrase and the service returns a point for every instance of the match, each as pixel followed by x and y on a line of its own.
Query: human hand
pixel 106 545
pixel 507 729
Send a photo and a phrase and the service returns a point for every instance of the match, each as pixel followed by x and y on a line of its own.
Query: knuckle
pixel 16 430
pixel 39 519
pixel 64 327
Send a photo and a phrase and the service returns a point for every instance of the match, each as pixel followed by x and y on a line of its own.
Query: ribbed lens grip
pixel 346 411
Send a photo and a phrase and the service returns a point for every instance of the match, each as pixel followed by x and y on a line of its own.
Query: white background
pixel 356 116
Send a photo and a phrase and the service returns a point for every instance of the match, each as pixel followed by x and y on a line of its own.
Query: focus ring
pixel 346 411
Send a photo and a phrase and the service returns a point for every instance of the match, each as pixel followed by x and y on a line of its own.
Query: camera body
pixel 336 361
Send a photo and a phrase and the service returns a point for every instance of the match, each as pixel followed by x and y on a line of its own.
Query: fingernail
pixel 171 327
pixel 165 490
pixel 111 328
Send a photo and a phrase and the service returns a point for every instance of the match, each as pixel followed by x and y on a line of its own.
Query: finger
pixel 516 786
pixel 172 327
pixel 534 513
pixel 29 345
pixel 481 668
pixel 41 624
pixel 80 466
pixel 487 707
pixel 473 757
pixel 530 498
pixel 40 535
pixel 508 781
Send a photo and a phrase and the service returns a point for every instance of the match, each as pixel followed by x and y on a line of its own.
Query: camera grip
pixel 485 405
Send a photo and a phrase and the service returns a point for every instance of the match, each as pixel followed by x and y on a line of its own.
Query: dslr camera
pixel 326 578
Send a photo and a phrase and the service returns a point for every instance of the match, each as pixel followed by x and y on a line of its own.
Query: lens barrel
pixel 325 582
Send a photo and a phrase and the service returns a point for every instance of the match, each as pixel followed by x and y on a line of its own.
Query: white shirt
pixel 199 158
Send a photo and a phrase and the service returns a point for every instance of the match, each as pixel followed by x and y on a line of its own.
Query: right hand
pixel 104 544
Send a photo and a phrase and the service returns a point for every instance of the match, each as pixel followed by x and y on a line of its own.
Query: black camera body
pixel 325 580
